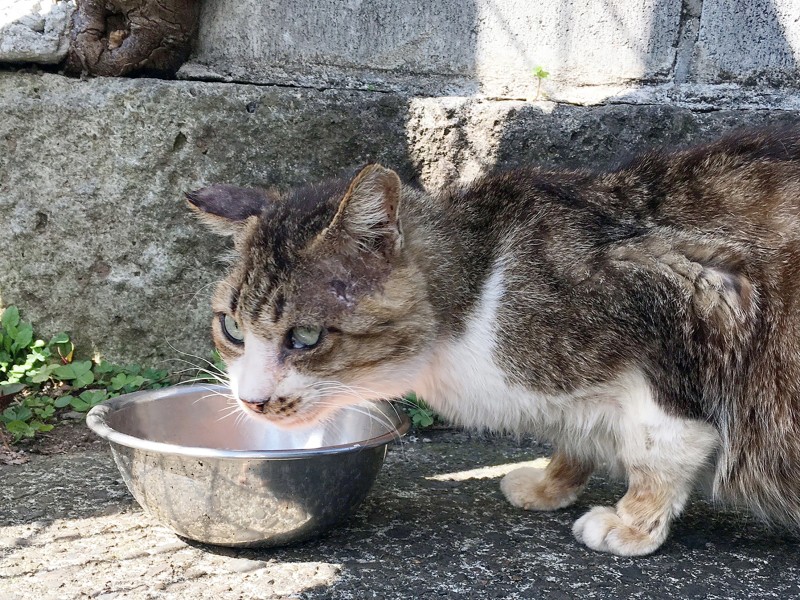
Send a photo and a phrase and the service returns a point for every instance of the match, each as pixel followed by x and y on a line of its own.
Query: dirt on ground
pixel 69 435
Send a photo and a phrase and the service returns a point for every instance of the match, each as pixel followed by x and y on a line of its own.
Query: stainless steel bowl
pixel 219 479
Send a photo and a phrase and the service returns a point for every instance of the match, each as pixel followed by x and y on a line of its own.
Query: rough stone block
pixel 453 140
pixel 757 42
pixel 35 31
pixel 436 48
pixel 96 238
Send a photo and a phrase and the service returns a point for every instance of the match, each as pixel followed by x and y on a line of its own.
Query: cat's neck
pixel 455 256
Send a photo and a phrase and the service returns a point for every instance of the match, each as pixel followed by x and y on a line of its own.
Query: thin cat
pixel 645 319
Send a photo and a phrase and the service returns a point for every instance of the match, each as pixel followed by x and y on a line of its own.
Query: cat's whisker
pixel 208 375
pixel 209 364
pixel 216 375
pixel 212 394
pixel 204 379
pixel 228 412
pixel 384 421
pixel 351 390
pixel 374 396
pixel 203 287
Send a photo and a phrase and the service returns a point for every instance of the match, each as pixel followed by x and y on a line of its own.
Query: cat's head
pixel 323 306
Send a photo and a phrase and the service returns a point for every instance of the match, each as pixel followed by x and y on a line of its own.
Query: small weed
pixel 78 374
pixel 84 401
pixel 420 413
pixel 28 417
pixel 540 75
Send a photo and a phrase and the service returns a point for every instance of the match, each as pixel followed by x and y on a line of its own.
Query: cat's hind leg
pixel 553 487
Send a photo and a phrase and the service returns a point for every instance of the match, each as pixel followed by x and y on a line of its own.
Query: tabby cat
pixel 645 319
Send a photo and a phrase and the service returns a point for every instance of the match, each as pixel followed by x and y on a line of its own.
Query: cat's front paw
pixel 602 529
pixel 531 488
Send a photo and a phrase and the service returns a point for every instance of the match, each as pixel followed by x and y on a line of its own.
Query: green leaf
pixel 17 413
pixel 45 412
pixel 59 338
pixel 80 405
pixel 135 383
pixel 61 345
pixel 10 318
pixel 118 381
pixel 81 371
pixel 64 372
pixel 422 418
pixel 133 369
pixel 42 374
pixel 81 367
pixel 63 401
pixel 92 397
pixel 155 375
pixel 84 379
pixel 36 401
pixel 540 73
pixel 10 389
pixel 104 367
pixel 20 429
pixel 23 338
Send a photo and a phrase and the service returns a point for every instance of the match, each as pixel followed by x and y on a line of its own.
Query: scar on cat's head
pixel 326 245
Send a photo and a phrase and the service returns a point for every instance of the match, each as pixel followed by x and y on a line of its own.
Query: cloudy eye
pixel 231 329
pixel 304 337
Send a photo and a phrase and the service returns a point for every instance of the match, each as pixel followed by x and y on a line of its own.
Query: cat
pixel 645 319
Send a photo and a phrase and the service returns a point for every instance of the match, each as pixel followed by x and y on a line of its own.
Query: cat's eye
pixel 231 329
pixel 304 337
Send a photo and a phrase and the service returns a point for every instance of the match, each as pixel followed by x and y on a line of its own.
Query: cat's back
pixel 746 184
pixel 748 180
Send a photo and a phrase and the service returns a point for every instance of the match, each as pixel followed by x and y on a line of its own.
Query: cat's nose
pixel 261 406
pixel 258 406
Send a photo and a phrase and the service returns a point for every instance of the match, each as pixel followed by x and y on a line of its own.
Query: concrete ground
pixel 432 527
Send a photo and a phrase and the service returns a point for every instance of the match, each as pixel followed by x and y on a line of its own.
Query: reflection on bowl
pixel 219 479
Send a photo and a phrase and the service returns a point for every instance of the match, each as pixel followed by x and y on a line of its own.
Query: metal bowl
pixel 222 479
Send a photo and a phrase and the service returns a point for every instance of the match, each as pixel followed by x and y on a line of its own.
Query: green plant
pixel 78 374
pixel 540 75
pixel 20 354
pixel 84 401
pixel 38 378
pixel 27 417
pixel 420 413
pixel 219 364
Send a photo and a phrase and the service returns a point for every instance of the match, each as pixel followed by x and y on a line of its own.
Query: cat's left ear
pixel 226 208
pixel 367 218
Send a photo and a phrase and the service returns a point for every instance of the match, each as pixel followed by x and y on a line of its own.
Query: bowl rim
pixel 96 421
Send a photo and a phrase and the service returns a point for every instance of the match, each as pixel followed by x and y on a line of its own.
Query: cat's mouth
pixel 287 412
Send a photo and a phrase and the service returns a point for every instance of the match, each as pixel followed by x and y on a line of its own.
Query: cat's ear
pixel 367 218
pixel 225 208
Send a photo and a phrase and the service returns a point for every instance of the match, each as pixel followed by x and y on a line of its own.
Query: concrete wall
pixel 95 238
pixel 489 47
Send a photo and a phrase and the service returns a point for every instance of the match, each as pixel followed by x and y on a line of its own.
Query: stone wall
pixel 96 240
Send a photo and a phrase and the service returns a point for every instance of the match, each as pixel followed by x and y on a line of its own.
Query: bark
pixel 127 37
